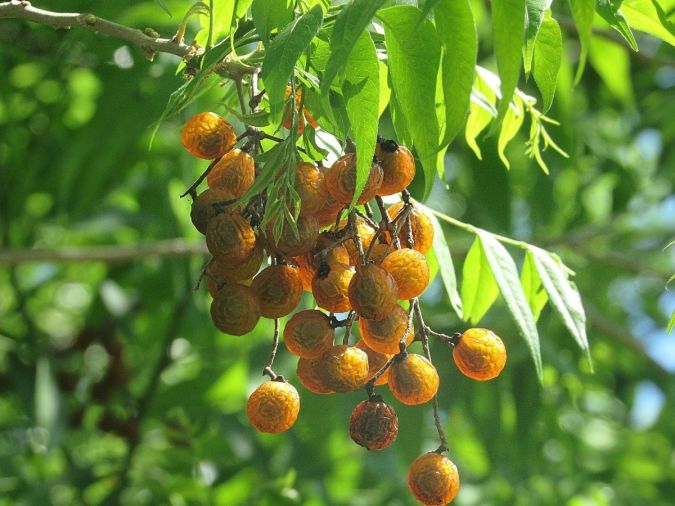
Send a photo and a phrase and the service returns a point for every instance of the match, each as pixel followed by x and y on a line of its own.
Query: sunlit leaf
pixel 611 12
pixel 479 288
pixel 583 12
pixel 510 127
pixel 611 61
pixel 535 16
pixel 547 58
pixel 270 15
pixel 648 16
pixel 531 282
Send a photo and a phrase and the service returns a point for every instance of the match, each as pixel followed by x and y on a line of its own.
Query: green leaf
pixel 457 34
pixel 385 92
pixel 270 15
pixel 446 266
pixel 583 12
pixel 506 275
pixel 648 16
pixel 241 7
pixel 47 399
pixel 414 53
pixel 671 323
pixel 361 91
pixel 479 288
pixel 508 28
pixel 163 6
pixel 531 282
pixel 547 58
pixel 535 10
pixel 282 55
pixel 563 295
pixel 223 11
pixel 611 13
pixel 481 113
pixel 349 25
pixel 510 126
pixel 611 61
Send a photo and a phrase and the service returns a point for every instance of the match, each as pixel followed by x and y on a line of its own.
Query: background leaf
pixel 361 91
pixel 479 288
pixel 648 16
pixel 506 276
pixel 414 54
pixel 457 34
pixel 282 55
pixel 547 58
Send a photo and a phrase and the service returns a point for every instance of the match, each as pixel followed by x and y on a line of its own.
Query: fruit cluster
pixel 356 265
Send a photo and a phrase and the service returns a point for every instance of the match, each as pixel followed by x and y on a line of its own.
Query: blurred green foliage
pixel 116 388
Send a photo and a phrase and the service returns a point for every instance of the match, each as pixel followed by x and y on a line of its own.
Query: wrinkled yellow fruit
pixel 433 479
pixel 273 407
pixel 413 380
pixel 480 354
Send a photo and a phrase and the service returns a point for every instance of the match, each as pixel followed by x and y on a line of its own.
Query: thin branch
pixel 267 370
pixel 24 10
pixel 106 254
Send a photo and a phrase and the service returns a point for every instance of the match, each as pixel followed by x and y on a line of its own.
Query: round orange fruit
pixel 330 287
pixel 273 407
pixel 376 361
pixel 235 310
pixel 373 424
pixel 480 354
pixel 410 270
pixel 230 238
pixel 422 228
pixel 311 187
pixel 308 374
pixel 327 215
pixel 398 167
pixel 372 292
pixel 206 135
pixel 413 379
pixel 344 368
pixel 291 244
pixel 278 289
pixel 234 173
pixel 341 180
pixel 385 335
pixel 203 209
pixel 308 334
pixel 433 479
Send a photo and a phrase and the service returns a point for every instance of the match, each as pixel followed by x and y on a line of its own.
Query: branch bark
pixel 20 9
pixel 106 254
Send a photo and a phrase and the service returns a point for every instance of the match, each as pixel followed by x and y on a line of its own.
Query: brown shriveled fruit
pixel 330 287
pixel 327 215
pixel 413 379
pixel 206 135
pixel 385 335
pixel 235 310
pixel 373 424
pixel 308 334
pixel 372 292
pixel 308 374
pixel 341 180
pixel 273 407
pixel 375 362
pixel 422 228
pixel 230 238
pixel 311 187
pixel 203 209
pixel 398 167
pixel 410 270
pixel 290 244
pixel 433 479
pixel 234 173
pixel 343 368
pixel 278 289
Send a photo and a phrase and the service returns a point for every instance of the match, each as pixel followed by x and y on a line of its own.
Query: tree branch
pixel 107 254
pixel 19 9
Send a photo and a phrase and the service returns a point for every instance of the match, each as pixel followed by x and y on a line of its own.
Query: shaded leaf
pixel 414 54
pixel 506 275
pixel 479 288
pixel 361 91
pixel 563 295
pixel 535 10
pixel 282 55
pixel 269 15
pixel 583 12
pixel 163 6
pixel 611 12
pixel 457 34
